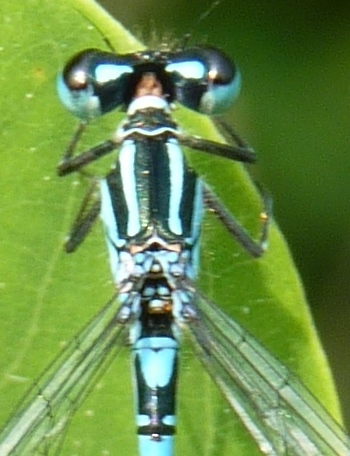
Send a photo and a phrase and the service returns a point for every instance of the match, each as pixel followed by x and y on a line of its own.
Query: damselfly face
pixel 202 79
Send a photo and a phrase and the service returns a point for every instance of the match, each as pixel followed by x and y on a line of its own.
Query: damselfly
pixel 151 204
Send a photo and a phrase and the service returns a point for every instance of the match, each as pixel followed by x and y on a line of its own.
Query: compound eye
pixel 205 79
pixel 93 83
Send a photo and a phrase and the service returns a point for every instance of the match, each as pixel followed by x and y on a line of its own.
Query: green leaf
pixel 47 295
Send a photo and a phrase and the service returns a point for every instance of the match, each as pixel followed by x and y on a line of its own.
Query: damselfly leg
pixel 90 206
pixel 86 217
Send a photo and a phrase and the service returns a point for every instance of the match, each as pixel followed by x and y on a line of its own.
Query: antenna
pixel 200 19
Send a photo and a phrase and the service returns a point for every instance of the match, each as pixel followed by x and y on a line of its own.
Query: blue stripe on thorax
pixel 151 188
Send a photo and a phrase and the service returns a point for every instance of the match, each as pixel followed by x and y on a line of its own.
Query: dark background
pixel 294 110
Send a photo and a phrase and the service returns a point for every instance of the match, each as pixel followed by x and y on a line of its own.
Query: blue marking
pixel 82 104
pixel 176 164
pixel 220 97
pixel 126 160
pixel 192 270
pixel 157 356
pixel 188 70
pixel 149 447
pixel 111 228
pixel 111 72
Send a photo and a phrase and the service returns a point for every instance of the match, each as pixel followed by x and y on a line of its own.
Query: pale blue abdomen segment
pixel 150 447
pixel 155 371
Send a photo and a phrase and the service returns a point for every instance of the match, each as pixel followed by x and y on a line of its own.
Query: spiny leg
pixel 236 148
pixel 70 163
pixel 255 248
pixel 87 215
pixel 230 133
pixel 74 141
pixel 233 152
pixel 213 203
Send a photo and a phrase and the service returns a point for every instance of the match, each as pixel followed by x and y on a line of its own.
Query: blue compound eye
pixel 93 83
pixel 205 79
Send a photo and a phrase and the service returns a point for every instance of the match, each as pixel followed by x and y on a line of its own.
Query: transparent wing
pixel 37 427
pixel 281 415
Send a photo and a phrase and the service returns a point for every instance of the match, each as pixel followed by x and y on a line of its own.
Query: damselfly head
pixel 201 78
